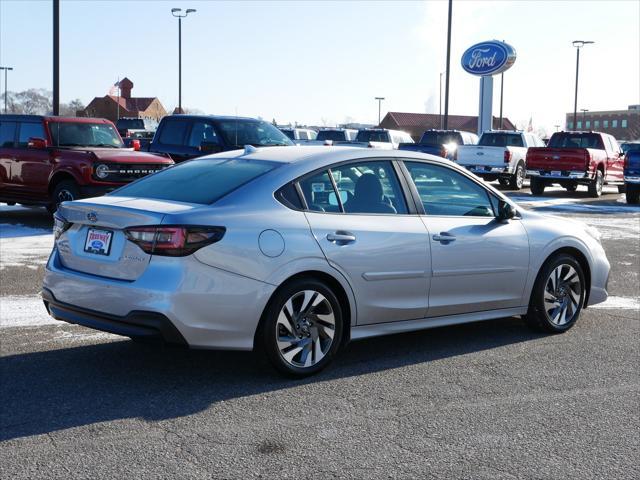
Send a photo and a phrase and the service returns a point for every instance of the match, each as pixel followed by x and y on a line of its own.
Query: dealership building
pixel 622 124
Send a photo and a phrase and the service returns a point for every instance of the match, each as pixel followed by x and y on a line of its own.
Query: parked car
pixel 128 126
pixel 296 251
pixel 334 136
pixel 500 155
pixel 381 138
pixel 576 158
pixel 632 176
pixel 189 136
pixel 300 135
pixel 443 143
pixel 47 160
pixel 627 147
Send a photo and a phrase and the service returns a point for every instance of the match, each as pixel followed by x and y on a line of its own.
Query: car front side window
pixel 445 192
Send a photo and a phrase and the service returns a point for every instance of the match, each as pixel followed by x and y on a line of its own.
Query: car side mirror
pixel 37 143
pixel 136 145
pixel 210 147
pixel 505 211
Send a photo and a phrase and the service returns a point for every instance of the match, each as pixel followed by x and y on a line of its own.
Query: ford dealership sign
pixel 488 58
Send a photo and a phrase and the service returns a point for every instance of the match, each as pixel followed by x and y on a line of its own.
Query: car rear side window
pixel 30 130
pixel 445 192
pixel 198 181
pixel 202 132
pixel 7 134
pixel 173 132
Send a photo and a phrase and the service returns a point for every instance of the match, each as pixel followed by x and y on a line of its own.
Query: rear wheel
pixel 64 191
pixel 557 296
pixel 633 195
pixel 622 188
pixel 302 328
pixel 517 179
pixel 504 182
pixel 595 187
pixel 537 186
pixel 571 187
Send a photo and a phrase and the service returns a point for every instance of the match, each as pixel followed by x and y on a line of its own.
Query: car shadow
pixel 46 391
pixel 24 221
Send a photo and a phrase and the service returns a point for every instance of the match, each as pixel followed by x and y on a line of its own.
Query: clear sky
pixel 323 62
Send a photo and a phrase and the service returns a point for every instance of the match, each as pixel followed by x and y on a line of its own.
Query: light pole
pixel 441 73
pixel 56 58
pixel 578 44
pixel 176 12
pixel 446 87
pixel 6 69
pixel 379 99
pixel 584 111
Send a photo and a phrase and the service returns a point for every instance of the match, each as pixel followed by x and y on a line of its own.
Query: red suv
pixel 48 160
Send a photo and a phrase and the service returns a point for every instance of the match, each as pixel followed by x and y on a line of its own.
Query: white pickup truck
pixel 380 138
pixel 500 155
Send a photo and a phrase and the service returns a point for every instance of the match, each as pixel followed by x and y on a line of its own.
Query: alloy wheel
pixel 519 177
pixel 562 294
pixel 65 196
pixel 305 329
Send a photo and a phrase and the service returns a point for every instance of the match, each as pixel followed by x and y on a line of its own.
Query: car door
pixel 478 263
pixel 369 234
pixel 7 154
pixel 172 138
pixel 615 160
pixel 32 167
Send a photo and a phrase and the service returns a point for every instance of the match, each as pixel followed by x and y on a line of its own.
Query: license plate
pixel 479 167
pixel 98 241
pixel 556 173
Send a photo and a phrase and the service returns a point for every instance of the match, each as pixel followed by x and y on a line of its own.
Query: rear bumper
pixel 138 324
pixel 563 175
pixel 489 171
pixel 632 179
pixel 208 307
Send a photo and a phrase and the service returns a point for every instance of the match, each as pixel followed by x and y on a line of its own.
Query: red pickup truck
pixel 576 158
pixel 48 160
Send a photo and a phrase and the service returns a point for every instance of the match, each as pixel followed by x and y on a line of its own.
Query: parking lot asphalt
pixel 484 400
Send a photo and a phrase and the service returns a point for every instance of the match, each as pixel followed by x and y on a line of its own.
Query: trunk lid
pixel 562 159
pixel 103 220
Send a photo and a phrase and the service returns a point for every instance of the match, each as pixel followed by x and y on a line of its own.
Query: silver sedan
pixel 295 251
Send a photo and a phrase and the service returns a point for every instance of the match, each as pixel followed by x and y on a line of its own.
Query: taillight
pixel 173 240
pixel 507 156
pixel 60 225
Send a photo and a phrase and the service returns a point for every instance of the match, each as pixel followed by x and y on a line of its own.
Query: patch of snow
pixel 24 251
pixel 24 311
pixel 619 303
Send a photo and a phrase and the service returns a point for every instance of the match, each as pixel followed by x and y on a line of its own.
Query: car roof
pixel 213 117
pixel 49 118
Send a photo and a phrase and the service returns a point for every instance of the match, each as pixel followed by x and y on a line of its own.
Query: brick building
pixel 113 107
pixel 622 124
pixel 416 123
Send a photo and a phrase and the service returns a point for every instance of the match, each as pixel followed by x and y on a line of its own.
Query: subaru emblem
pixel 92 217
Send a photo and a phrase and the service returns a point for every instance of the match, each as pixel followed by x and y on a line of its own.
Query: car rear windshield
pixel 501 140
pixel 441 138
pixel 372 136
pixel 202 181
pixel 83 134
pixel 576 140
pixel 130 123
pixel 335 135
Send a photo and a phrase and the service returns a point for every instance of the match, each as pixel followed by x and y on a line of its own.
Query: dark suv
pixel 48 160
pixel 188 136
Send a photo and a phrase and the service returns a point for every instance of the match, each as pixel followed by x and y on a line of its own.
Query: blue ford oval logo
pixel 92 217
pixel 488 58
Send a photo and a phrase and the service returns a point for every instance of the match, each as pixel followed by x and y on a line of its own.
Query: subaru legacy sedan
pixel 295 251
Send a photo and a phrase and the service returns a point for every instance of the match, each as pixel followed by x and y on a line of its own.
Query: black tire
pixel 64 191
pixel 537 186
pixel 504 182
pixel 516 181
pixel 622 188
pixel 571 187
pixel 537 316
pixel 633 195
pixel 271 329
pixel 595 187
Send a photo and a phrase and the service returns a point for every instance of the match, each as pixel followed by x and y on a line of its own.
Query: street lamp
pixel 6 69
pixel 441 73
pixel 379 99
pixel 578 44
pixel 176 12
pixel 584 111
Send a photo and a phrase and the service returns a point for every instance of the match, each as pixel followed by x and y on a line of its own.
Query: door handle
pixel 341 238
pixel 445 238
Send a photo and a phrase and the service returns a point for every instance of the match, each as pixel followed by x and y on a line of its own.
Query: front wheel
pixel 557 296
pixel 595 187
pixel 302 328
pixel 517 179
pixel 65 191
